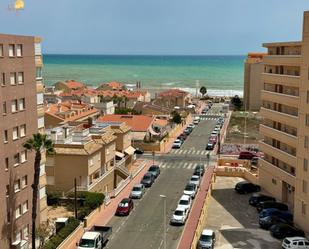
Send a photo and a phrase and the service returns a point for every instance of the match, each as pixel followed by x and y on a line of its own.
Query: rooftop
pixel 278 44
pixel 173 93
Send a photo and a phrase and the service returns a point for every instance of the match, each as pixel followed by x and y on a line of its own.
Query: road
pixel 143 228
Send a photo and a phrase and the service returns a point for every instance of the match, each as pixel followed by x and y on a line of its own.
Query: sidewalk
pixel 107 212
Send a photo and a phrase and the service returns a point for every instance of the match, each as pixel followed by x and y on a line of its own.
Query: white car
pixel 185 202
pixel 295 243
pixel 195 180
pixel 214 133
pixel 177 144
pixel 190 190
pixel 195 121
pixel 138 191
pixel 191 125
pixel 180 216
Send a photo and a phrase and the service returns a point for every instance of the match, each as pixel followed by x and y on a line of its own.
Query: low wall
pixel 77 233
pixel 237 172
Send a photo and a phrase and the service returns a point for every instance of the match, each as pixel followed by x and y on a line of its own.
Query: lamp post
pixel 164 220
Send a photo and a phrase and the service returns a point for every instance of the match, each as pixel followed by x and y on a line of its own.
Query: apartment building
pixel 20 117
pixel 253 81
pixel 285 127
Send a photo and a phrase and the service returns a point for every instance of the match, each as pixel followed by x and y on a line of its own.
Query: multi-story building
pixel 285 128
pixel 253 81
pixel 20 117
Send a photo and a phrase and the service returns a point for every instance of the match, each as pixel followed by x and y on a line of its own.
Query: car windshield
pixel 178 212
pixel 146 177
pixel 123 204
pixel 190 187
pixel 206 238
pixel 136 189
pixel 152 168
pixel 183 202
pixel 194 178
pixel 88 243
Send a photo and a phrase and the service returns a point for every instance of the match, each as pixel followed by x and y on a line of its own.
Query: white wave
pixel 216 92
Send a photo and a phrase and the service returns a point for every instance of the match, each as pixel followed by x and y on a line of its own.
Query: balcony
pixel 39 88
pixel 278 172
pixel 41 111
pixel 280 98
pixel 281 79
pixel 284 60
pixel 277 153
pixel 278 135
pixel 279 117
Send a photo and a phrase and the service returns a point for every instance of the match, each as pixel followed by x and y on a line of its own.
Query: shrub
pixel 53 198
pixel 93 200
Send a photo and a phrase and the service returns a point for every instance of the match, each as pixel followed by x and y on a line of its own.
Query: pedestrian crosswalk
pixel 189 152
pixel 177 165
pixel 208 118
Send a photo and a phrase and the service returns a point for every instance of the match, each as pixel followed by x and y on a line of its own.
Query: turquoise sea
pixel 222 75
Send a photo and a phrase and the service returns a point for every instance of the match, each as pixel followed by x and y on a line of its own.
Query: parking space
pixel 234 220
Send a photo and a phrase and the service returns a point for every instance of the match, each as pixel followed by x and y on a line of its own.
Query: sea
pixel 221 75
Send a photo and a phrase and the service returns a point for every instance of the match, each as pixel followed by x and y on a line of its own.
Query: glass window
pixel 304 186
pixel 16 159
pixel 25 207
pixel 20 78
pixel 42 192
pixel 26 232
pixel 13 78
pixel 24 181
pixel 39 73
pixel 4 107
pixel 11 50
pixel 2 79
pixel 305 164
pixel 17 186
pixel 1 50
pixel 18 233
pixel 15 133
pixel 306 142
pixel 6 137
pixel 7 190
pixel 14 105
pixel 40 122
pixel 18 214
pixel 307 119
pixel 19 50
pixel 40 98
pixel 303 208
pixel 42 170
pixel 22 130
pixel 22 104
pixel 23 156
pixel 6 161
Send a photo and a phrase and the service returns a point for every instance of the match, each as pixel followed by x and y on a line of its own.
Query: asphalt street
pixel 143 228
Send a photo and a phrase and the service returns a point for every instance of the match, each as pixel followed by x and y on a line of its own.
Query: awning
pixel 119 154
pixel 130 150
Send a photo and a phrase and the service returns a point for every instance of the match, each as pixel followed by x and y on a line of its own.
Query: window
pixel 17 186
pixel 16 159
pixel 23 156
pixel 304 186
pixel 307 119
pixel 24 181
pixel 18 235
pixel 22 130
pixel 90 161
pixel 1 50
pixel 42 192
pixel 7 191
pixel 14 105
pixel 6 136
pixel 42 170
pixel 18 212
pixel 13 78
pixel 19 50
pixel 25 207
pixel 20 78
pixel 307 97
pixel 274 181
pixel 22 104
pixel 15 133
pixel 303 208
pixel 39 73
pixel 2 79
pixel 11 50
pixel 6 161
pixel 306 142
pixel 40 98
pixel 4 108
pixel 305 166
pixel 26 232
pixel 40 122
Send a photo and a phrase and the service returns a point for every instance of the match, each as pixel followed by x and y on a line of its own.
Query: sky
pixel 155 27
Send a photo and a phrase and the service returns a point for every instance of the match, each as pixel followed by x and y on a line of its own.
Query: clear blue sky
pixel 156 26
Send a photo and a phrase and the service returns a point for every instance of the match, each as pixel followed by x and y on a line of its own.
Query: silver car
pixel 138 191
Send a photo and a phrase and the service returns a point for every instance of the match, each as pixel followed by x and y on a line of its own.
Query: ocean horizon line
pixel 154 55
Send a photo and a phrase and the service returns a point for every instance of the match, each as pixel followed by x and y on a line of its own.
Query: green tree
pixel 236 101
pixel 176 118
pixel 203 90
pixel 39 143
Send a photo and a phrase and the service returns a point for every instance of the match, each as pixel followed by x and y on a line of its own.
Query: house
pixel 112 86
pixel 147 108
pixel 173 97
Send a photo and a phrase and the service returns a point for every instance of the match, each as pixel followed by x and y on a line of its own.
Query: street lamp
pixel 164 220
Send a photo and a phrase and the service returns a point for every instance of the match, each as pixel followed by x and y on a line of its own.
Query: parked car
pixel 199 169
pixel 213 139
pixel 196 120
pixel 124 207
pixel 187 131
pixel 281 231
pixel 245 187
pixel 95 238
pixel 190 190
pixel 254 161
pixel 214 133
pixel 204 111
pixel 207 239
pixel 139 151
pixel 210 145
pixel 179 216
pixel 177 144
pixel 138 191
pixel 295 243
pixel 256 198
pixel 185 202
pixel 270 220
pixel 246 155
pixel 271 204
pixel 154 170
pixel 192 126
pixel 147 180
pixel 182 137
pixel 195 180
pixel 286 215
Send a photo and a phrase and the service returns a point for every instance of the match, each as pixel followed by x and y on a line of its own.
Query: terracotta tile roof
pixel 74 84
pixel 161 122
pixel 139 106
pixel 137 122
pixel 124 93
pixel 85 149
pixel 173 93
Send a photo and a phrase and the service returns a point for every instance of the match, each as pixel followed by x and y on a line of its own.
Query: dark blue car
pixel 286 215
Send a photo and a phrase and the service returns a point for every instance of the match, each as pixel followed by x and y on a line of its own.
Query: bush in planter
pixel 53 198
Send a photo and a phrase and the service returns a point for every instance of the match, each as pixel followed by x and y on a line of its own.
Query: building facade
pixel 253 81
pixel 20 117
pixel 285 127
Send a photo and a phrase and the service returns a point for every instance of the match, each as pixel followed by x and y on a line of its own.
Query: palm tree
pixel 39 143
